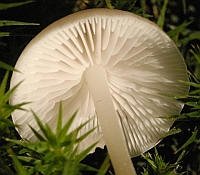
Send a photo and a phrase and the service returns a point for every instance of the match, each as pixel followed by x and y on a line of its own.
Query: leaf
pixel 57 149
pixel 25 158
pixel 161 18
pixel 71 168
pixel 4 84
pixel 5 98
pixel 5 121
pixel 84 167
pixel 158 166
pixel 66 127
pixel 172 131
pixel 192 139
pixel 40 124
pixel 150 161
pixel 193 92
pixel 14 23
pixel 85 152
pixel 5 6
pixel 109 4
pixel 74 133
pixel 192 104
pixel 51 137
pixel 37 134
pixel 104 167
pixel 82 137
pixel 59 121
pixel 179 29
pixel 174 33
pixel 18 166
pixel 2 34
pixel 195 35
pixel 17 142
pixel 197 85
pixel 181 156
pixel 7 109
pixel 52 154
pixel 196 52
pixel 7 67
pixel 190 115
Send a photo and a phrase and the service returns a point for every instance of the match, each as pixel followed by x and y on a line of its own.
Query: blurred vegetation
pixel 179 153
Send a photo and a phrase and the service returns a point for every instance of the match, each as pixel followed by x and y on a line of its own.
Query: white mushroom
pixel 120 70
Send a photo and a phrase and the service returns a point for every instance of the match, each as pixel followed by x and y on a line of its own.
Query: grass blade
pixel 59 121
pixel 4 84
pixel 37 134
pixel 6 66
pixel 189 141
pixel 109 4
pixel 66 127
pixel 2 34
pixel 14 23
pixel 104 167
pixel 85 152
pixel 82 137
pixel 18 166
pixel 5 6
pixel 161 19
pixel 7 95
pixel 40 124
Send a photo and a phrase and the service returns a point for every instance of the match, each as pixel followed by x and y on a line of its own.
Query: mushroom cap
pixel 142 64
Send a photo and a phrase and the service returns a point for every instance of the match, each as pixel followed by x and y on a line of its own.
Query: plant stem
pixel 96 80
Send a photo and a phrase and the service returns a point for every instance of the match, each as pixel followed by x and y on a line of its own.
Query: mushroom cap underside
pixel 143 67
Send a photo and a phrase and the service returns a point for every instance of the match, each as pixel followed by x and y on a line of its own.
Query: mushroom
pixel 120 70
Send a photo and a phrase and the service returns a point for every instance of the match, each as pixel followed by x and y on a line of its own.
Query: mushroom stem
pixel 109 121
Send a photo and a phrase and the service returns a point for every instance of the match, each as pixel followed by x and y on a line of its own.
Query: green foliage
pixel 192 100
pixel 18 166
pixel 171 132
pixel 193 138
pixel 5 108
pixel 182 35
pixel 14 23
pixel 161 18
pixel 196 57
pixel 6 125
pixel 3 23
pixel 157 166
pixel 7 67
pixel 4 34
pixel 55 153
pixel 104 167
pixel 5 6
pixel 108 4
